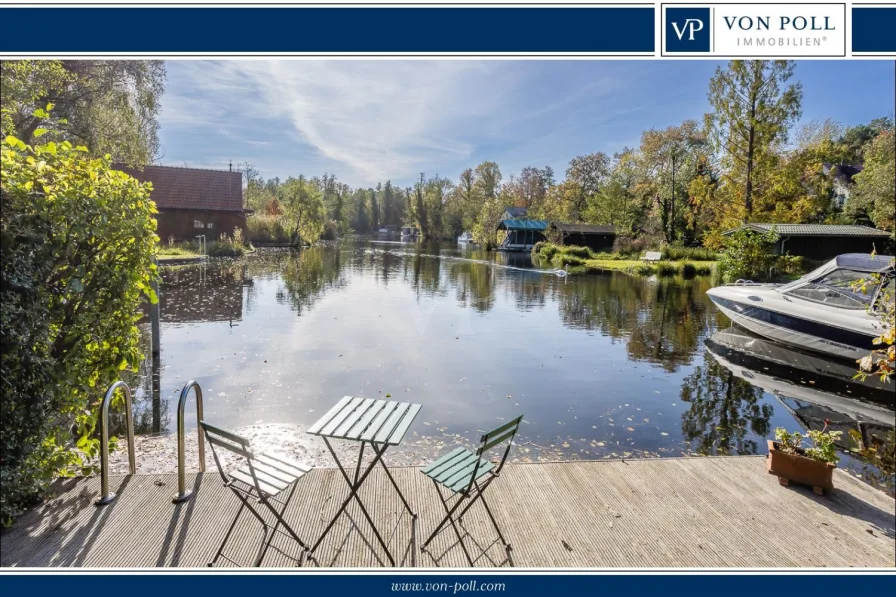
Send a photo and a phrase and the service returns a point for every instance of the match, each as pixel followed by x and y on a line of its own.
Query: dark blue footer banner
pixel 462 29
pixel 454 583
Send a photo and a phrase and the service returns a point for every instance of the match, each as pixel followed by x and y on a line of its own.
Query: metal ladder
pixel 183 493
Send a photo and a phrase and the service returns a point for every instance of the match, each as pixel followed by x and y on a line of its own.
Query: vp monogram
pixel 691 26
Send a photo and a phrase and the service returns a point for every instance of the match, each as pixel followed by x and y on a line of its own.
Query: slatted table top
pixel 367 420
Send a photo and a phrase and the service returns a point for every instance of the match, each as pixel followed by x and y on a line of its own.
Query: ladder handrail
pixel 182 492
pixel 108 496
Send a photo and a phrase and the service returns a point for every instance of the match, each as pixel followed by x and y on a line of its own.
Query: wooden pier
pixel 700 512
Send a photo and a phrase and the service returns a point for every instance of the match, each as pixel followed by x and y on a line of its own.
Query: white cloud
pixel 376 119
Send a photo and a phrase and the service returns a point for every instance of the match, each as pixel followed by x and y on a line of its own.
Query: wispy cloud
pixel 371 120
pixel 374 119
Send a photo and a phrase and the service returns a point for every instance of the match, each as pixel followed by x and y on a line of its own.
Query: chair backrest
pixel 499 435
pixel 228 441
pixel 653 256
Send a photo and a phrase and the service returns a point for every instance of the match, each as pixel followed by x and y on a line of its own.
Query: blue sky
pixel 371 120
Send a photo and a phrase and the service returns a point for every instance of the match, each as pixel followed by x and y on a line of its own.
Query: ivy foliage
pixel 77 241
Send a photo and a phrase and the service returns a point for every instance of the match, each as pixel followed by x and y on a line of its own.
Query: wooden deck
pixel 657 512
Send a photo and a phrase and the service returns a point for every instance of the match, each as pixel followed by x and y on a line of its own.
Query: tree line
pixel 684 184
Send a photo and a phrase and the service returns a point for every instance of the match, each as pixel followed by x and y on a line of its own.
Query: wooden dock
pixel 699 512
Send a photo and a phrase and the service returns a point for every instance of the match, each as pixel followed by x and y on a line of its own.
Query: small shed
pixel 522 234
pixel 822 241
pixel 193 201
pixel 595 237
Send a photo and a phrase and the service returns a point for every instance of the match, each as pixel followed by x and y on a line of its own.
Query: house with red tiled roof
pixel 192 201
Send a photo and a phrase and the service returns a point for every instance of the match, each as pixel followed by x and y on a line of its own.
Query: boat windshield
pixel 841 288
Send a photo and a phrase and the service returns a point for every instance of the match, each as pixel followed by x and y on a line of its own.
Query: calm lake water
pixel 602 366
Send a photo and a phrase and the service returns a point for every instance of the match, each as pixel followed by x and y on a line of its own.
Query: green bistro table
pixel 379 423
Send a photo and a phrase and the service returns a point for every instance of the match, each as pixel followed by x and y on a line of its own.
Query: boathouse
pixel 595 237
pixel 823 241
pixel 193 201
pixel 521 234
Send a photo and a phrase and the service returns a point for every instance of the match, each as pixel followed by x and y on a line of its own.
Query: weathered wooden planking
pixel 657 512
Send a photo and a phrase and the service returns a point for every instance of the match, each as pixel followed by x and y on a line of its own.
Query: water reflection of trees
pixel 663 320
pixel 423 270
pixel 723 410
pixel 308 274
pixel 474 284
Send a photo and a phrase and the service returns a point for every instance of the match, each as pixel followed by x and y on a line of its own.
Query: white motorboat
pixel 821 312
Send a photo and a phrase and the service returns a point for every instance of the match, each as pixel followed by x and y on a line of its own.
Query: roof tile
pixel 191 188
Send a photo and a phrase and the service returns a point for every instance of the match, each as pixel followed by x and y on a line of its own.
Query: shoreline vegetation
pixel 684 261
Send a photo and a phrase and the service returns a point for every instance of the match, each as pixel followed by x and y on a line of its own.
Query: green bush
pixel 673 253
pixel 76 245
pixel 583 252
pixel 264 228
pixel 664 268
pixel 228 246
pixel 544 251
pixel 791 265
pixel 748 255
pixel 643 269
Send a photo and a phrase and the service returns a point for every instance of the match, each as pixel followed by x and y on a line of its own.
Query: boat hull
pixel 754 309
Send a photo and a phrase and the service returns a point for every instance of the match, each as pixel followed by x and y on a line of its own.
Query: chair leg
pixel 444 520
pixel 278 514
pixel 449 517
pixel 494 522
pixel 227 535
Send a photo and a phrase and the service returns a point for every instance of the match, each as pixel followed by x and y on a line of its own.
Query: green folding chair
pixel 466 476
pixel 262 479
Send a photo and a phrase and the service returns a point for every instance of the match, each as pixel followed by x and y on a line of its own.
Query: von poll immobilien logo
pixel 754 30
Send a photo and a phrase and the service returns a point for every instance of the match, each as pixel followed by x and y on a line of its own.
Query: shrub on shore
pixel 177 249
pixel 267 228
pixel 228 246
pixel 673 253
pixel 77 241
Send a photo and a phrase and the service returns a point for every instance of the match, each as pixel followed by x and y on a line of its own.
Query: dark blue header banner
pixel 874 29
pixel 349 30
pixel 455 583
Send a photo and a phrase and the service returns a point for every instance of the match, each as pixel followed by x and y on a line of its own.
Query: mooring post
pixel 154 317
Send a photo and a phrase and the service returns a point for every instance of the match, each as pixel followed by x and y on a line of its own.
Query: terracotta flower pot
pixel 799 469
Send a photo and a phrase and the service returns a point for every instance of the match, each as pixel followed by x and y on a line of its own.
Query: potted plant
pixel 810 466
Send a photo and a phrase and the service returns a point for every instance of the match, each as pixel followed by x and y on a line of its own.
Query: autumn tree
pixel 875 190
pixel 753 106
pixel 670 157
pixel 585 176
pixel 487 180
pixel 618 203
pixel 530 188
